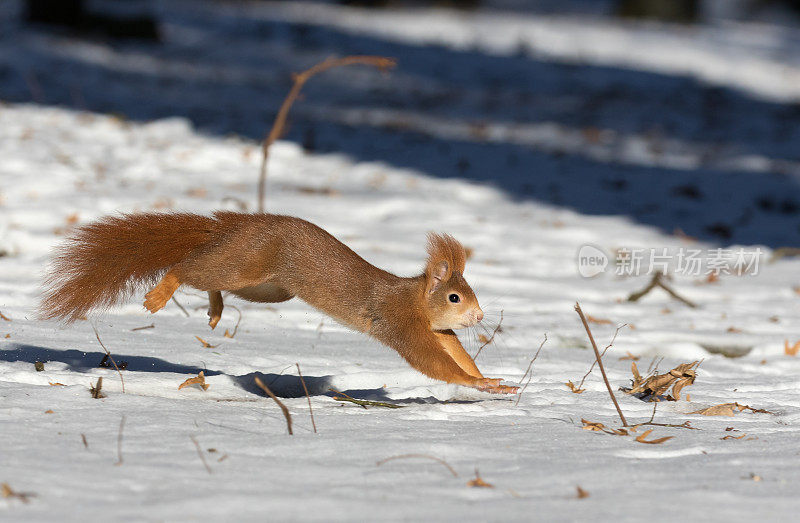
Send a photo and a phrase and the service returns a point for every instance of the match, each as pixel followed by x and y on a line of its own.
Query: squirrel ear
pixel 436 275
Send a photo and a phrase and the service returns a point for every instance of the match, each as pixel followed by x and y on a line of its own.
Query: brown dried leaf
pixel 482 338
pixel 574 388
pixel 731 436
pixel 56 384
pixel 582 493
pixel 478 481
pixel 200 379
pixel 4 317
pixel 734 330
pixel 8 492
pixel 723 409
pixel 206 344
pixel 643 435
pixel 49 411
pixel 228 334
pixel 791 351
pixel 658 384
pixel 598 321
pixel 592 425
pixel 629 356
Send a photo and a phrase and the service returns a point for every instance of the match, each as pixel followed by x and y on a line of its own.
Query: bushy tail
pixel 104 260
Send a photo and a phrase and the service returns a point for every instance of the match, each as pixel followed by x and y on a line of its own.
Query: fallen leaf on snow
pixel 598 321
pixel 571 386
pixel 643 435
pixel 791 351
pixel 478 481
pixel 582 493
pixel 200 379
pixel 205 343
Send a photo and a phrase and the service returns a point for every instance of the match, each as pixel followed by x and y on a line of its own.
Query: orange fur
pixel 272 258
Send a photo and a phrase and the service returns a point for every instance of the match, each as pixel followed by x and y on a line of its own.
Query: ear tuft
pixel 445 255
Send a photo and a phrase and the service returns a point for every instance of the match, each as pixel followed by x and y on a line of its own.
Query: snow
pixel 61 166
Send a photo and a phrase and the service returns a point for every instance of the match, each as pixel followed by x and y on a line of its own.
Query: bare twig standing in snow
pixel 600 364
pixel 300 79
pixel 285 410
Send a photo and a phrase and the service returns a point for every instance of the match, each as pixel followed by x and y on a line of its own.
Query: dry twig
pixel 119 441
pixel 108 353
pixel 180 306
pixel 364 403
pixel 426 456
pixel 600 363
pixel 300 79
pixel 591 368
pixel 286 413
pixel 530 366
pixel 200 453
pixel 305 389
pixel 658 281
pixel 491 338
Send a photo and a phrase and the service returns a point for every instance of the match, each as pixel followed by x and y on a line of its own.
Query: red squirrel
pixel 271 258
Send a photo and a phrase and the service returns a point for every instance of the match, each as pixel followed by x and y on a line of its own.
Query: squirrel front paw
pixel 493 385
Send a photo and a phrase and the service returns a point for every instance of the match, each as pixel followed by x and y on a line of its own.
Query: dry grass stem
pixel 425 456
pixel 151 326
pixel 364 403
pixel 600 364
pixel 528 370
pixel 491 338
pixel 110 357
pixel 180 306
pixel 305 389
pixel 200 453
pixel 238 321
pixel 119 441
pixel 300 79
pixel 658 281
pixel 285 411
pixel 602 354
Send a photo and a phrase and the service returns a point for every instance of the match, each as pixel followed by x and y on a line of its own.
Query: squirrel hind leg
pixel 215 307
pixel 156 299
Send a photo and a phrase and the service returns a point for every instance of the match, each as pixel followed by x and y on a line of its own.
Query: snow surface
pixel 61 166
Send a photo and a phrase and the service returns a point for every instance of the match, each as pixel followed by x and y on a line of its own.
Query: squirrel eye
pixel 454 298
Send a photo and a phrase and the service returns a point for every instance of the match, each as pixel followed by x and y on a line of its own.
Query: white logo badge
pixel 591 261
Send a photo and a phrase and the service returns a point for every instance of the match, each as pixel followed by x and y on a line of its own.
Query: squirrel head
pixel 451 303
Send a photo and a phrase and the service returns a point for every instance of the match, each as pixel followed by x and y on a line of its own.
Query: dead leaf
pixel 482 338
pixel 593 425
pixel 791 351
pixel 478 481
pixel 574 388
pixel 200 379
pixel 598 321
pixel 643 435
pixel 582 493
pixel 49 411
pixel 724 409
pixel 206 344
pixel 8 492
pixel 228 334
pixel 656 385
pixel 629 356
pixel 733 330
pixel 4 317
pixel 56 384
pixel 728 409
pixel 731 436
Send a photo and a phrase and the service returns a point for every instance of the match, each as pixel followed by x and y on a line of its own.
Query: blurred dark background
pixel 663 146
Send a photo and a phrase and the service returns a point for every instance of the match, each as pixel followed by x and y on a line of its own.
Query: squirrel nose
pixel 479 316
